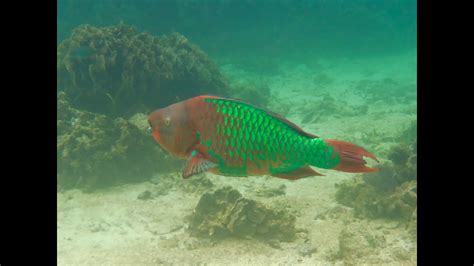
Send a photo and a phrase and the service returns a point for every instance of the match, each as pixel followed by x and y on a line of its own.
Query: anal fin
pixel 196 164
pixel 302 172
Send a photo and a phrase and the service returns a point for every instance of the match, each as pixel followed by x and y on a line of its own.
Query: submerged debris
pixel 225 213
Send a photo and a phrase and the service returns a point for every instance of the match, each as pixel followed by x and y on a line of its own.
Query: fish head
pixel 172 129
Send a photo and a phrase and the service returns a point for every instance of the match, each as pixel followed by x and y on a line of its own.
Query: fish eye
pixel 167 121
pixel 149 130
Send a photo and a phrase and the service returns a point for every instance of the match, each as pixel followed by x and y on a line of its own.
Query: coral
pixel 95 150
pixel 118 71
pixel 225 213
pixel 140 120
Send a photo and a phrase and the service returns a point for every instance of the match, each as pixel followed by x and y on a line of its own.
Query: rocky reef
pixel 119 71
pixel 225 212
pixel 95 150
pixel 390 193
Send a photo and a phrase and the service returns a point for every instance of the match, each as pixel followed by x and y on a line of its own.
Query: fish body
pixel 234 138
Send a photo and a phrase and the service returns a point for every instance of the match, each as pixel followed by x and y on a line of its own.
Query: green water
pixel 338 69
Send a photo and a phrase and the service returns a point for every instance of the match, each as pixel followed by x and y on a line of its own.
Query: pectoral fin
pixel 302 172
pixel 197 164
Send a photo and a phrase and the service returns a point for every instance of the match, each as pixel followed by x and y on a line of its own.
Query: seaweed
pixel 115 70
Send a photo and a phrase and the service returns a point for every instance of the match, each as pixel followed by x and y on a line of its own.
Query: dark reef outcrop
pixel 225 212
pixel 119 71
pixel 95 150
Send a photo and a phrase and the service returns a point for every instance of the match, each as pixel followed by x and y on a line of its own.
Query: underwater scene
pixel 236 132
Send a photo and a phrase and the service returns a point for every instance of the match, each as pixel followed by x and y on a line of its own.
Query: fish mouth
pixel 156 136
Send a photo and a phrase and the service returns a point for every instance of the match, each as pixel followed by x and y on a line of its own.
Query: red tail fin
pixel 351 157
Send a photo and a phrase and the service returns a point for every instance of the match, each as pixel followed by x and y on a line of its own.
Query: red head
pixel 172 129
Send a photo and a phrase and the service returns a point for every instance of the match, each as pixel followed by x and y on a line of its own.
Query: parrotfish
pixel 234 138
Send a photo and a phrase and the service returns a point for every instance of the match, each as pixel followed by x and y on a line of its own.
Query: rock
pixel 97 227
pixel 399 154
pixel 145 195
pixel 390 193
pixel 191 243
pixel 225 213
pixel 172 242
pixel 140 120
pixel 401 254
pixel 320 216
pixel 96 151
pixel 356 243
pixel 271 192
pixel 119 71
pixel 307 249
pixel 274 243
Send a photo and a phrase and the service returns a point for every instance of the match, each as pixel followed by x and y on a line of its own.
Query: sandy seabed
pixel 113 227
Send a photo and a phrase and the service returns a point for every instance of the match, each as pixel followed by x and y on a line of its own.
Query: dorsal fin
pixel 273 114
